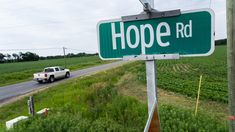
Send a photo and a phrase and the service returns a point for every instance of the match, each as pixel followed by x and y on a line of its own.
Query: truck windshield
pixel 48 70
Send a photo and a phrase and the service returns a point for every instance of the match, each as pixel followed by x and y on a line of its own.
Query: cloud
pixel 72 23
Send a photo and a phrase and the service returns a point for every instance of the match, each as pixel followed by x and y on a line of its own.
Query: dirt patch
pixel 134 89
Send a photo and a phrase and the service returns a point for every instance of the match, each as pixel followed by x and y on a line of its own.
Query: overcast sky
pixel 29 24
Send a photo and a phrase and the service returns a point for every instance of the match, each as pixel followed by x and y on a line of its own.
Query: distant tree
pixel 28 56
pixel 8 57
pixel 221 42
pixel 21 54
pixel 70 55
pixel 16 56
pixel 42 58
pixel 2 57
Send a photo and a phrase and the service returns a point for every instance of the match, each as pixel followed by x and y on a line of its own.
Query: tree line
pixel 69 55
pixel 29 56
pixel 221 42
pixel 20 57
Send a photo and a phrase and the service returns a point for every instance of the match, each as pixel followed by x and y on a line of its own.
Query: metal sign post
pixel 154 125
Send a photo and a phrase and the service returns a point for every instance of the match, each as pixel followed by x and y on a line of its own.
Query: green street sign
pixel 189 34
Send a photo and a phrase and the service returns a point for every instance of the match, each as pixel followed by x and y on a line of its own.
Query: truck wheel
pixel 51 79
pixel 67 75
pixel 40 82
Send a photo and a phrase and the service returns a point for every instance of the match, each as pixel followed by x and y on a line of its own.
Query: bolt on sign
pixel 189 34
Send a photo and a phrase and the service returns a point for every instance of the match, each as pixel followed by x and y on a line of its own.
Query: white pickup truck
pixel 49 74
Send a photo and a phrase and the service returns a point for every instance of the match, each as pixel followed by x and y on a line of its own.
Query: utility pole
pixel 231 61
pixel 65 63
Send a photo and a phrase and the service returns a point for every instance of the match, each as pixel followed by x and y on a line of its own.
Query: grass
pixel 113 100
pixel 11 73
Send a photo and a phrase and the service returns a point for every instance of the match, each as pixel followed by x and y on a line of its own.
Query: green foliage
pixel 221 42
pixel 106 125
pixel 29 56
pixel 111 112
pixel 177 119
pixel 60 122
pixel 2 57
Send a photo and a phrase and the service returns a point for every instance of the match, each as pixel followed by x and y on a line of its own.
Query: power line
pixel 53 48
pixel 81 50
pixel 28 25
pixel 29 49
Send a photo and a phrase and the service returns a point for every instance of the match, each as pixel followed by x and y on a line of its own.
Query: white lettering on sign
pixel 115 35
pixel 184 30
pixel 151 36
pixel 159 34
pixel 128 36
pixel 135 36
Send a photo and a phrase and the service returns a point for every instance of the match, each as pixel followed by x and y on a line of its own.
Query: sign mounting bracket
pixel 150 13
pixel 152 57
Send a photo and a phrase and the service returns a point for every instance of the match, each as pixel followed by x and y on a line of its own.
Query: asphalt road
pixel 10 91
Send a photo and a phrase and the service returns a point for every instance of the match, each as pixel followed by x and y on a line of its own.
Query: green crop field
pixel 11 73
pixel 182 76
pixel 115 100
